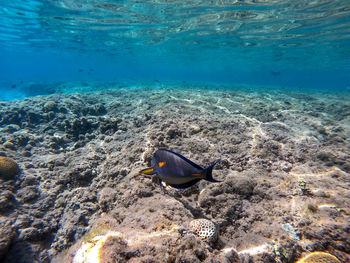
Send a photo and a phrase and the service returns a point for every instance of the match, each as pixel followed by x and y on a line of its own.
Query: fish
pixel 178 171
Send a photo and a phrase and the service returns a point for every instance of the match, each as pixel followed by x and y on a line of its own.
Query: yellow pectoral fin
pixel 160 164
pixel 147 171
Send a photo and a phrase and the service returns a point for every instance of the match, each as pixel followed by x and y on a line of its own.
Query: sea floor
pixel 284 166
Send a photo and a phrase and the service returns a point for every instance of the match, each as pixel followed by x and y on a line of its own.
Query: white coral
pixel 204 229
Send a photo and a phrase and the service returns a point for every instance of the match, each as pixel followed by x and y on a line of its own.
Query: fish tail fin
pixel 208 173
pixel 148 171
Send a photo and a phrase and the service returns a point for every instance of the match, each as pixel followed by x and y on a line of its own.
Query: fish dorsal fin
pixel 183 158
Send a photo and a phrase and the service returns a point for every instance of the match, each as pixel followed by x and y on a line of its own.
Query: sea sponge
pixel 8 168
pixel 204 229
pixel 319 257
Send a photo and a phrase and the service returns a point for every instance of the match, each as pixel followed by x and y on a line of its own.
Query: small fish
pixel 177 171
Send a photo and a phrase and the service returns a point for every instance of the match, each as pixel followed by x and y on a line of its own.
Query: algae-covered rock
pixel 6 238
pixel 7 200
pixel 8 168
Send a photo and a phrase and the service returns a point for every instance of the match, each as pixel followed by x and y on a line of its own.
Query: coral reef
pixel 284 168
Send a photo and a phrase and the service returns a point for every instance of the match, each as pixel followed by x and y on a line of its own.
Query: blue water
pixel 287 43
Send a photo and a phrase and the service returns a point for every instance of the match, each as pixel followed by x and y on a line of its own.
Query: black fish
pixel 177 171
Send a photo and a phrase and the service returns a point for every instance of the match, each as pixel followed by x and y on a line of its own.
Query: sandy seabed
pixel 284 166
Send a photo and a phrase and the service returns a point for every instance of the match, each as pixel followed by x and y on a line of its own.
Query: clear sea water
pixel 302 44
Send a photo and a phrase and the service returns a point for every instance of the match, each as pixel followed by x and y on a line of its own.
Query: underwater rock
pixel 6 239
pixel 9 145
pixel 11 128
pixel 8 168
pixel 107 198
pixel 286 167
pixel 7 200
pixel 22 140
pixel 204 229
pixel 80 127
pixel 30 234
pixel 29 180
pixel 173 132
pixel 50 106
pixel 109 126
pixel 320 193
pixel 23 221
pixel 98 109
pixel 195 129
pixel 28 193
pixel 190 250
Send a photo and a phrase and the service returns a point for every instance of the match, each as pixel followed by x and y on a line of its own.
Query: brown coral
pixel 319 257
pixel 8 168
